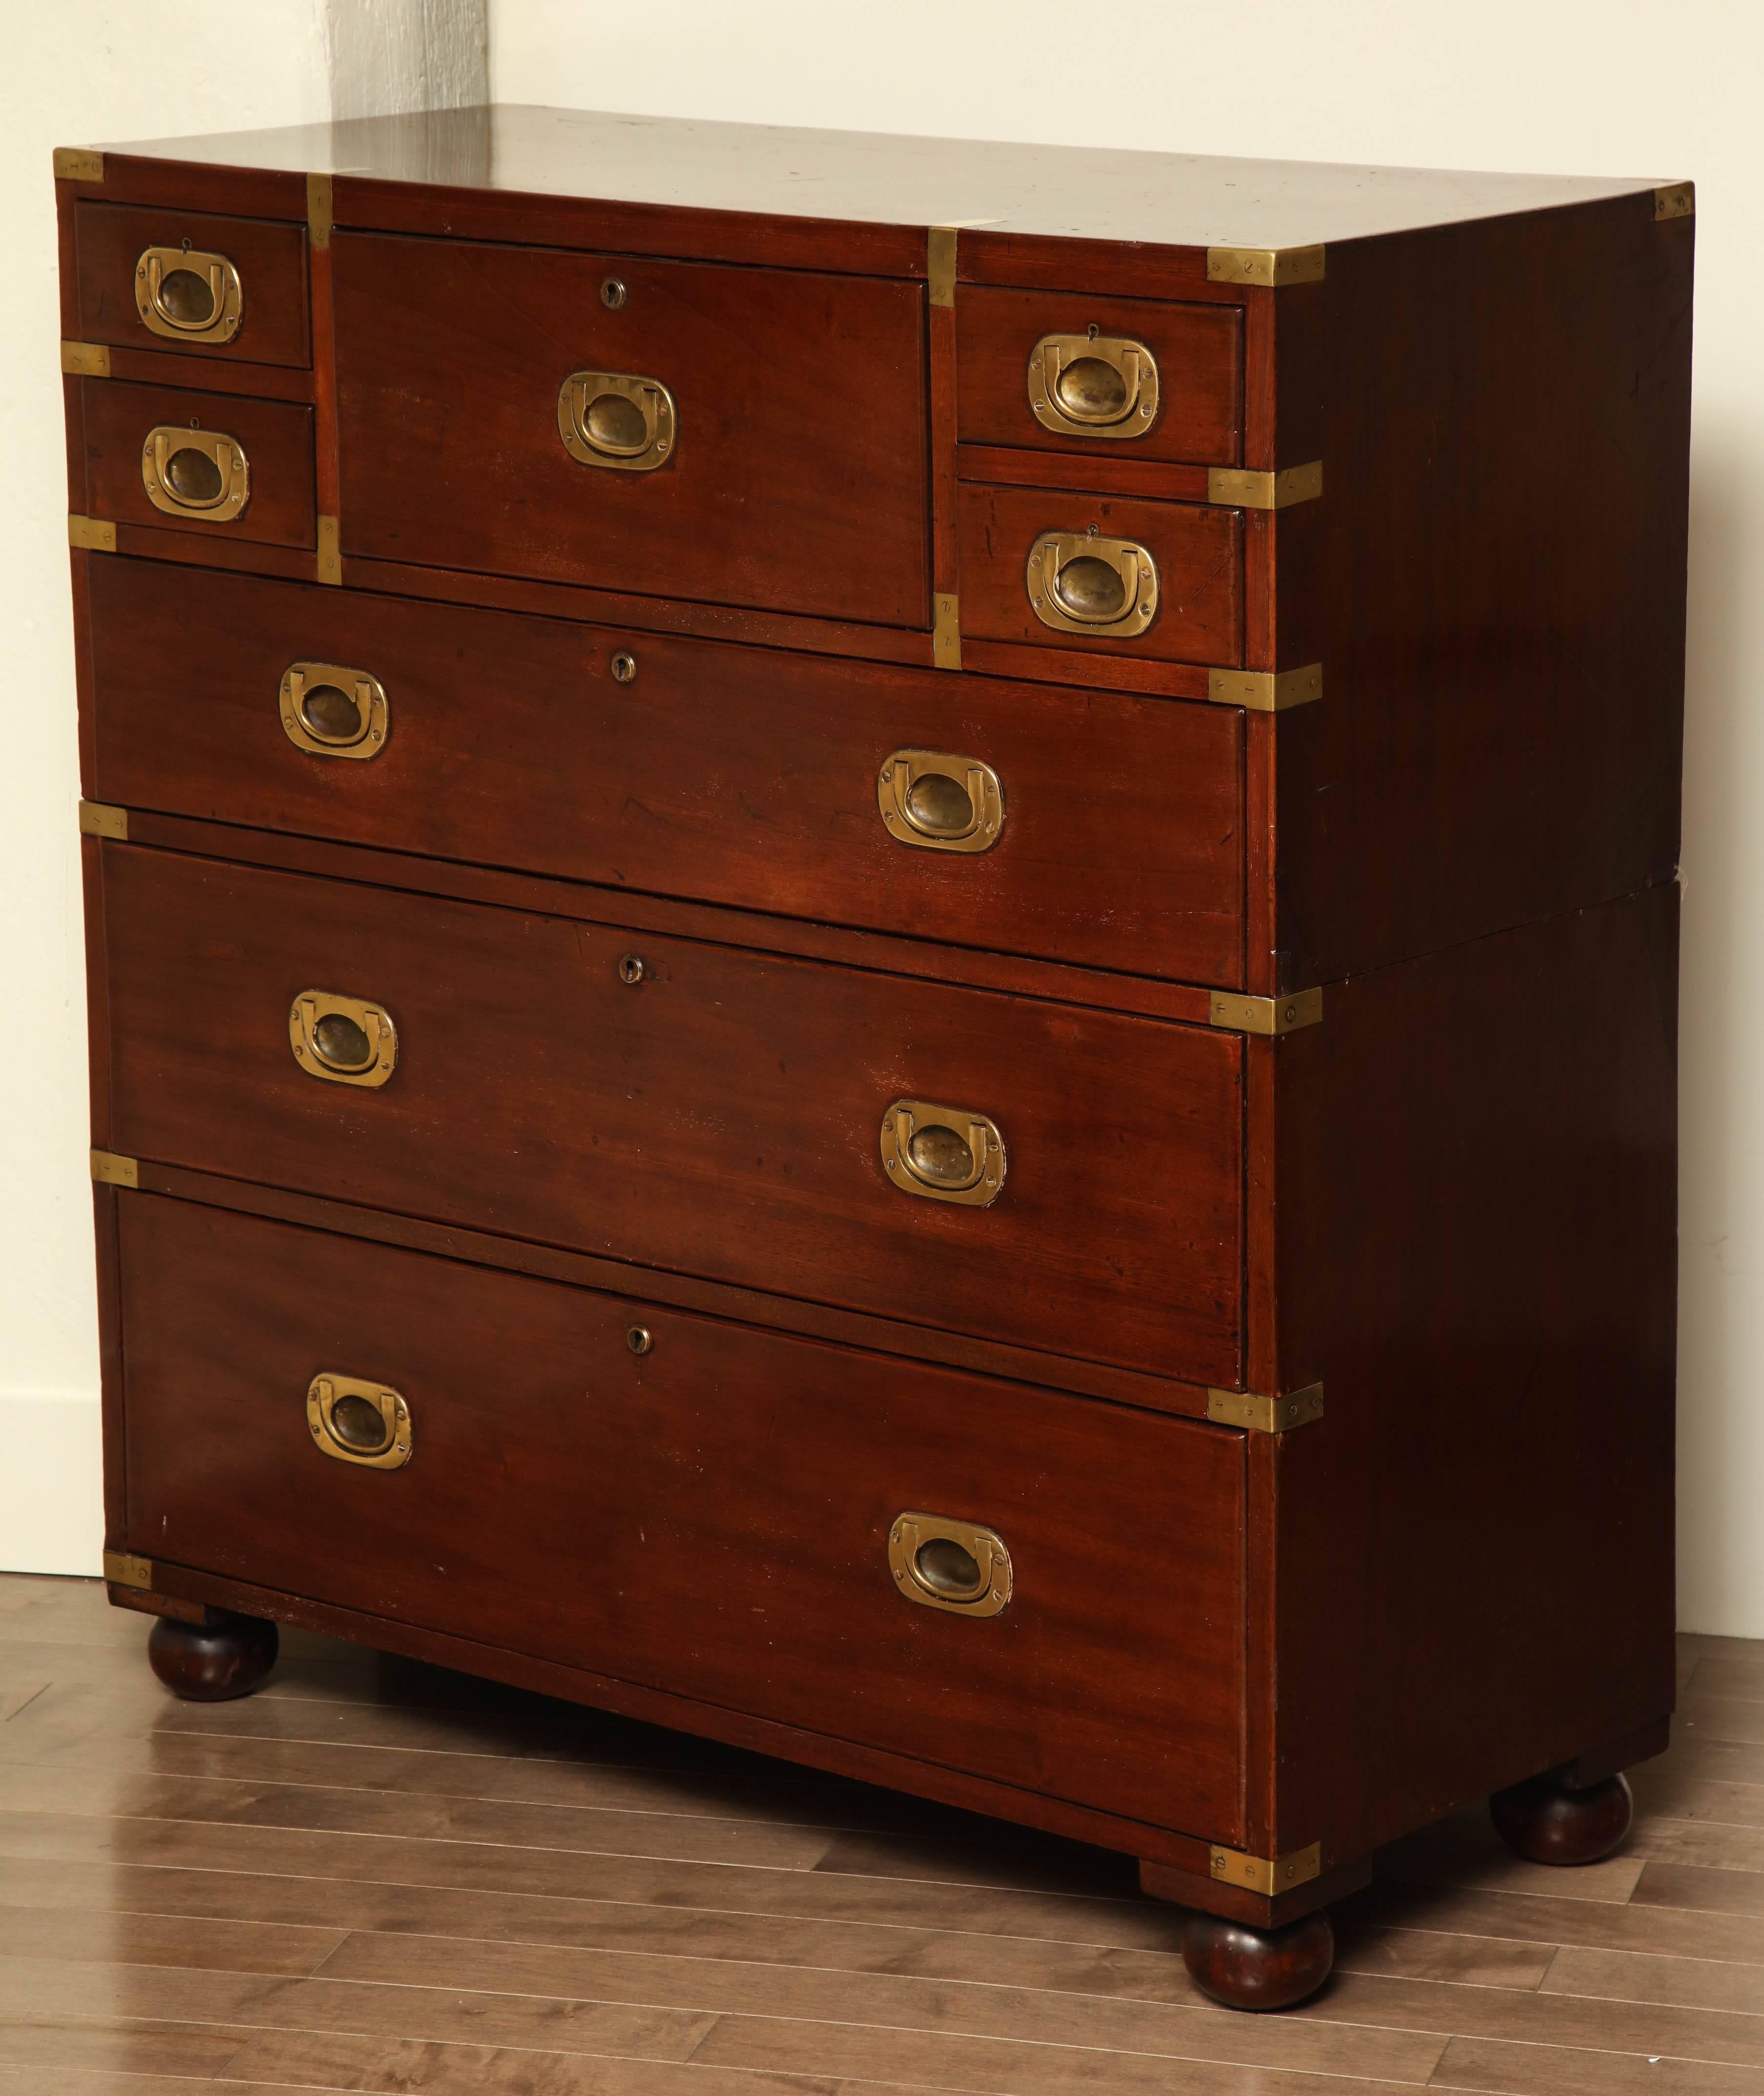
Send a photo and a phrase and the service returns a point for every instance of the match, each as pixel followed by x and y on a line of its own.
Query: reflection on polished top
pixel 1178 199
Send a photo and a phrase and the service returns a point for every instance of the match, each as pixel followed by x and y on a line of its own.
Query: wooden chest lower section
pixel 711 1517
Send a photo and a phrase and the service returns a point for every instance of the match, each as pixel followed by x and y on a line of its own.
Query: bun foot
pixel 1258 1968
pixel 1546 1822
pixel 212 1662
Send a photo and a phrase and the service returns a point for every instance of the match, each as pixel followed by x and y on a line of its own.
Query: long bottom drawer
pixel 718 1515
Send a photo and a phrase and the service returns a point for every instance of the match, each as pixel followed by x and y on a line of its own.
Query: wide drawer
pixel 715 771
pixel 740 436
pixel 1118 378
pixel 712 1517
pixel 154 277
pixel 694 1107
pixel 215 464
pixel 1162 580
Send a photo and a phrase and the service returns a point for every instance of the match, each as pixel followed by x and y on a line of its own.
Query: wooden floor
pixel 379 1876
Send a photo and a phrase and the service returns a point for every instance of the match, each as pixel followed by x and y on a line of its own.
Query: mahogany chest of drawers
pixel 883 957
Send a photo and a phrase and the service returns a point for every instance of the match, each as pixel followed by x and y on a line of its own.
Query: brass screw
pixel 630 969
pixel 612 294
pixel 640 1339
pixel 624 667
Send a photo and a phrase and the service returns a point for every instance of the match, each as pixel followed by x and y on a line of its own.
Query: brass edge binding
pixel 85 359
pixel 940 265
pixel 98 819
pixel 108 1169
pixel 1676 200
pixel 121 1570
pixel 1269 267
pixel 330 552
pixel 76 163
pixel 946 633
pixel 1266 1015
pixel 1238 488
pixel 1266 691
pixel 319 218
pixel 91 534
pixel 1264 1874
pixel 1265 1415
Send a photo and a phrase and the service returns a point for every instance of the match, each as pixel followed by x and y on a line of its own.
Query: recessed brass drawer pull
pixel 201 474
pixel 943 803
pixel 334 711
pixel 1079 583
pixel 343 1039
pixel 188 295
pixel 358 1422
pixel 1093 385
pixel 945 1564
pixel 612 419
pixel 943 1153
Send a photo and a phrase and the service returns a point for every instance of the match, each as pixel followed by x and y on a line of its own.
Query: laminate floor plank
pixel 1632 1976
pixel 1494 2069
pixel 32 2043
pixel 1595 1924
pixel 1464 1850
pixel 1736 1672
pixel 1670 1795
pixel 113 1936
pixel 1711 1717
pixel 1710 1890
pixel 435 2071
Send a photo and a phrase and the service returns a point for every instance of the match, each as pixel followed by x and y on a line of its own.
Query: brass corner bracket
pixel 85 359
pixel 97 818
pixel 1269 267
pixel 1265 691
pixel 946 632
pixel 108 1169
pixel 122 1569
pixel 1267 1874
pixel 78 163
pixel 1265 1415
pixel 940 265
pixel 91 534
pixel 1266 1015
pixel 1238 488
pixel 319 215
pixel 1676 200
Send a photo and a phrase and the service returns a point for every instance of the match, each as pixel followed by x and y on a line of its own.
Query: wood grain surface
pixel 376 1875
pixel 270 260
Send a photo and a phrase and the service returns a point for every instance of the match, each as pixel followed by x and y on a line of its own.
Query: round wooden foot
pixel 211 1664
pixel 1258 1968
pixel 1547 1823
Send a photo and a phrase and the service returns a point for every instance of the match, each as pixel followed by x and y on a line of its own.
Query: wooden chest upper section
pixel 1376 478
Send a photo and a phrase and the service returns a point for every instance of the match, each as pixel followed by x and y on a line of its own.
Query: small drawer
pixel 189 282
pixel 1104 830
pixel 1043 1174
pixel 212 463
pixel 1035 1588
pixel 1162 580
pixel 1122 378
pixel 738 436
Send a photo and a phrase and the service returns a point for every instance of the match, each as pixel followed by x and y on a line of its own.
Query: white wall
pixel 86 75
pixel 1552 87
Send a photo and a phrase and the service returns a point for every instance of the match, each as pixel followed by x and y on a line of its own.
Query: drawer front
pixel 1195 553
pixel 722 773
pixel 711 1518
pixel 1062 372
pixel 163 438
pixel 721 1114
pixel 225 287
pixel 796 474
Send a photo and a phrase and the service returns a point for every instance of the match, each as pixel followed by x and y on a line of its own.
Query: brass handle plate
pixel 1093 386
pixel 201 474
pixel 358 1422
pixel 953 1564
pixel 344 1040
pixel 939 801
pixel 189 294
pixel 333 710
pixel 614 419
pixel 943 1153
pixel 1081 582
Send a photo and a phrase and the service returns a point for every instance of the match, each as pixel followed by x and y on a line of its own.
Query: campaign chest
pixel 882 950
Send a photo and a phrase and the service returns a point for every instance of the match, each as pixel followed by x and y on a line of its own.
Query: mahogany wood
pixel 1258 1968
pixel 1199 552
pixel 1085 471
pixel 1547 1821
pixel 1199 351
pixel 722 1526
pixel 214 1661
pixel 270 258
pixel 799 394
pixel 278 440
pixel 721 1117
pixel 1121 846
pixel 210 375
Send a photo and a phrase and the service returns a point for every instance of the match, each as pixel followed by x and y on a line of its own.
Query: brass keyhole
pixel 948 1569
pixel 1091 589
pixel 631 970
pixel 624 667
pixel 613 294
pixel 187 299
pixel 359 1425
pixel 193 476
pixel 342 1043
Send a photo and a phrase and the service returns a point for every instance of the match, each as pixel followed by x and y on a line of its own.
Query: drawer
pixel 718 772
pixel 712 1517
pixel 186 281
pixel 721 1113
pixel 1065 372
pixel 189 446
pixel 1019 544
pixel 779 419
